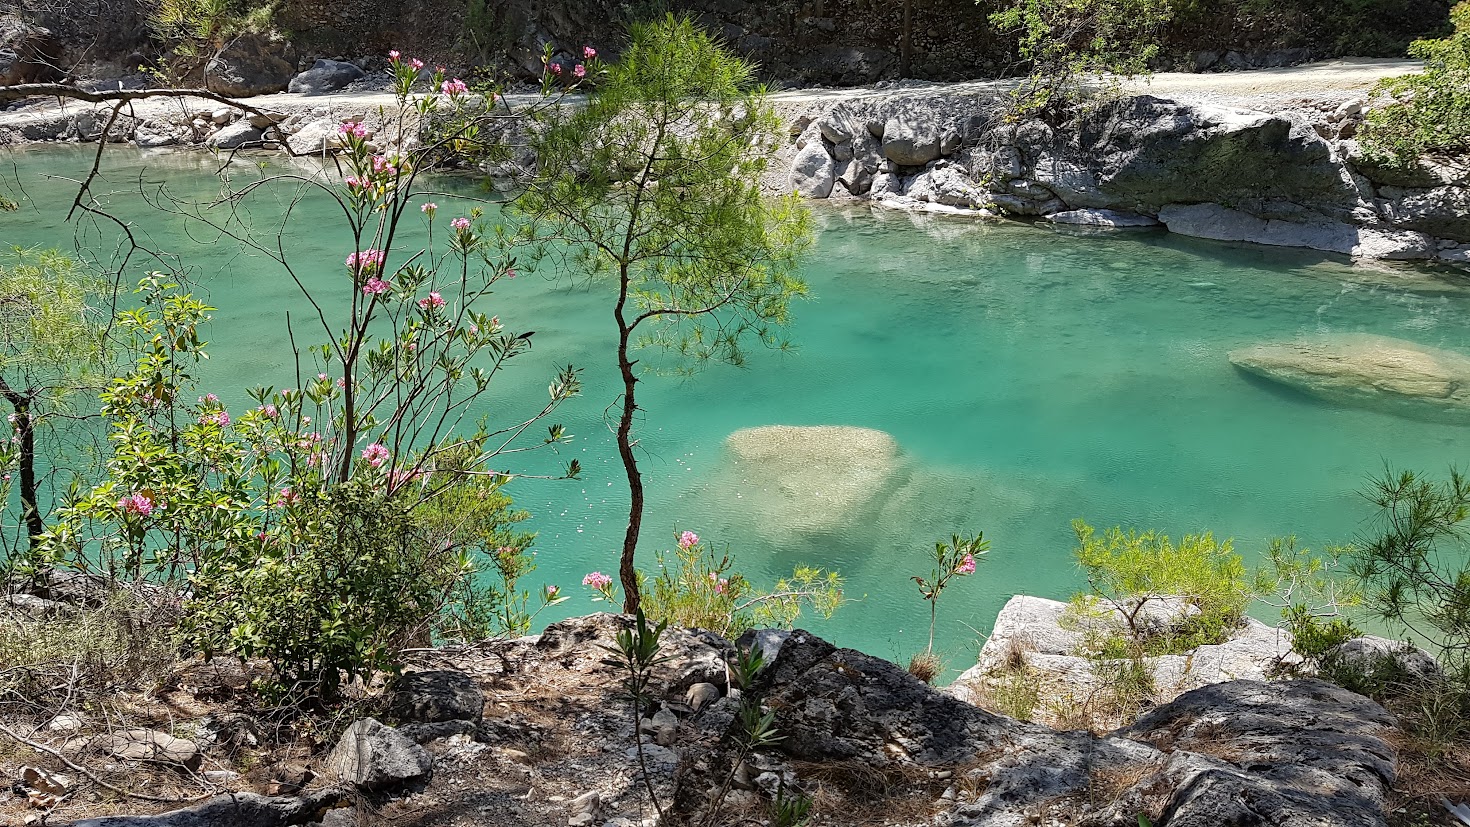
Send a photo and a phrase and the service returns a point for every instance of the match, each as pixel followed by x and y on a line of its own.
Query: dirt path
pixel 1351 74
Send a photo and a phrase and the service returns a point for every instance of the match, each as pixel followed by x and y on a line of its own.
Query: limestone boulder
pixel 946 184
pixel 251 64
pixel 1106 219
pixel 1371 653
pixel 151 746
pixel 235 136
pixel 912 138
pixel 1366 370
pixel 324 76
pixel 1227 224
pixel 371 756
pixel 814 172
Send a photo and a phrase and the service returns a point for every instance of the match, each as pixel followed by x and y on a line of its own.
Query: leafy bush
pixel 697 589
pixel 1129 571
pixel 1064 40
pixel 1430 110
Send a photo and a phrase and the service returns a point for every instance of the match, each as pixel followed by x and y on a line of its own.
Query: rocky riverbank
pixel 1268 158
pixel 1283 172
pixel 534 732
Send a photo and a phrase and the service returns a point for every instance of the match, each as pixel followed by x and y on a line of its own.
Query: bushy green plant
pixel 1413 562
pixel 1430 110
pixel 1066 40
pixel 1128 571
pixel 53 353
pixel 695 588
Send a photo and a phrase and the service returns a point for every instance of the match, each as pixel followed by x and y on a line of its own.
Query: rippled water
pixel 1030 376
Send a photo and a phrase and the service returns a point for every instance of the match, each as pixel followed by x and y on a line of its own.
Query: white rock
pixel 813 172
pixel 1103 218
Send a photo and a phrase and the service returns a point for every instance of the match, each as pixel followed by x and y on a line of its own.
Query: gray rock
pixel 949 185
pixel 28 53
pixel 249 64
pixel 855 178
pixel 813 172
pixel 152 746
pixel 315 138
pixel 235 136
pixel 701 695
pixel 911 140
pixel 148 139
pixel 663 726
pixel 1103 218
pixel 372 756
pixel 232 809
pixel 438 695
pixel 1369 652
pixel 324 76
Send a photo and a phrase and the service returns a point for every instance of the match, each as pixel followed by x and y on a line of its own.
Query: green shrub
pixel 1430 111
pixel 694 588
pixel 1126 572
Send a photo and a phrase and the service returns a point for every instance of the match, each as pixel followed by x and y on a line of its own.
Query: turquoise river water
pixel 1030 376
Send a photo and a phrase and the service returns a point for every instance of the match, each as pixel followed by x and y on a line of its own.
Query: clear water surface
pixel 1030 376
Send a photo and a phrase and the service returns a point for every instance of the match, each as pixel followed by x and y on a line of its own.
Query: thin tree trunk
pixel 25 430
pixel 626 573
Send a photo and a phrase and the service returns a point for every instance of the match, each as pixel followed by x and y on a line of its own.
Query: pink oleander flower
pixel 353 128
pixel 270 410
pixel 597 580
pixel 407 475
pixel 555 68
pixel 219 418
pixel 394 55
pixel 588 52
pixel 460 224
pixel 342 382
pixel 507 551
pixel 429 209
pixel 384 166
pixel 367 260
pixel 376 287
pixel 415 64
pixel 510 274
pixel 287 497
pixel 688 540
pixel 552 592
pixel 721 586
pixel 439 69
pixel 208 397
pixel 453 87
pixel 137 504
pixel 579 71
pixel 434 301
pixel 375 454
pixel 966 566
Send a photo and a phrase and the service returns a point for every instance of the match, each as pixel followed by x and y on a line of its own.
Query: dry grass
pixel 925 666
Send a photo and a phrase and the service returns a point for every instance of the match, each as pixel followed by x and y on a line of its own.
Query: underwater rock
pixel 1364 369
pixel 813 479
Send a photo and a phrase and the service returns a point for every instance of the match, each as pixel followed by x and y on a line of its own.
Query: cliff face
pixel 801 42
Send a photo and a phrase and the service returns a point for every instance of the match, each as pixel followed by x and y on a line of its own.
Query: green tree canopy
pixel 653 186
